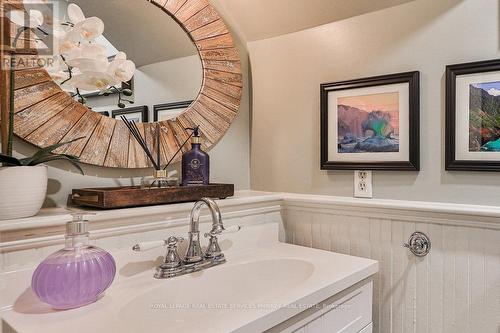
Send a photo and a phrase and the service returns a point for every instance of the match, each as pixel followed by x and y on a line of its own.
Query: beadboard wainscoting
pixel 456 288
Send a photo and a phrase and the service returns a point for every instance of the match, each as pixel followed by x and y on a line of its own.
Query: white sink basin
pixel 240 286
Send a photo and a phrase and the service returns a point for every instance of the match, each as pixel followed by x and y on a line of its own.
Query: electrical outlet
pixel 363 184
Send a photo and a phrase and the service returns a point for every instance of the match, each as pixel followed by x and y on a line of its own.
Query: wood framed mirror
pixel 45 114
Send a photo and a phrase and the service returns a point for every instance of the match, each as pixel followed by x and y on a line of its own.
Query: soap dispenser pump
pixel 195 162
pixel 75 275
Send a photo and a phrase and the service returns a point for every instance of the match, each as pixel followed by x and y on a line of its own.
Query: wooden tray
pixel 132 196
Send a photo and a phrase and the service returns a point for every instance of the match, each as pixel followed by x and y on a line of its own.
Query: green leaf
pixel 58 158
pixel 71 157
pixel 46 151
pixel 9 160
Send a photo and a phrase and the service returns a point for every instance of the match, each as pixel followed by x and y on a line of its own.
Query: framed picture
pixel 169 110
pixel 371 123
pixel 473 116
pixel 139 114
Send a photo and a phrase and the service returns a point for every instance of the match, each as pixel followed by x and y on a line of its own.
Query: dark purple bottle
pixel 195 163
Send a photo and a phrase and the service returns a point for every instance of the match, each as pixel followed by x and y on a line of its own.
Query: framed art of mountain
pixel 473 116
pixel 371 123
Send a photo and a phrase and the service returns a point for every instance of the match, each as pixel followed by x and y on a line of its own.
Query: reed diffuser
pixel 160 177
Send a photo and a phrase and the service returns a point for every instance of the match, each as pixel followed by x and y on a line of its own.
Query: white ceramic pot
pixel 22 191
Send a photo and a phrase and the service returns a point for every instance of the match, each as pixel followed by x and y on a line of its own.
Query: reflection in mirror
pixel 168 68
pixel 167 110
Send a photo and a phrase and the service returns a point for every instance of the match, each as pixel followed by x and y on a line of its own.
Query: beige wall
pixel 423 35
pixel 229 159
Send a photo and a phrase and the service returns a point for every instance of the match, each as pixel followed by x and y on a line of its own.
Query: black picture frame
pixel 169 106
pixel 452 72
pixel 144 110
pixel 413 162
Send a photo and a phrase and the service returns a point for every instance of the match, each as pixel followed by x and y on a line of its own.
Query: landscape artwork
pixel 484 117
pixel 368 123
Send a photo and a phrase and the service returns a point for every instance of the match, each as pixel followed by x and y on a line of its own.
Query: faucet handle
pixel 172 241
pixel 172 259
pixel 213 250
pixel 146 246
pixel 229 230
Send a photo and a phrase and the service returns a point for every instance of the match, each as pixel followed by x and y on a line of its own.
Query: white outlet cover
pixel 363 185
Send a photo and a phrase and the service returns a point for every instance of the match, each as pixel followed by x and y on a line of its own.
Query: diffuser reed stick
pixel 158 155
pixel 183 144
pixel 132 126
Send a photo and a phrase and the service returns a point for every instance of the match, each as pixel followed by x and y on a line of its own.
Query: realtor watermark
pixel 244 306
pixel 27 35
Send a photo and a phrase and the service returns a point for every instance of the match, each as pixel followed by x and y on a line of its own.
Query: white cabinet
pixel 347 312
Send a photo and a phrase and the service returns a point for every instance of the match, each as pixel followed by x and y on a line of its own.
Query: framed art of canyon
pixel 371 123
pixel 473 116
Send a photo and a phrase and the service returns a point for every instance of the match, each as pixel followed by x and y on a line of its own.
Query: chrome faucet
pixel 194 252
pixel 195 259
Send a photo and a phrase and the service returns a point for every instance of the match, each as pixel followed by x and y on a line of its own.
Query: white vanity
pixel 265 285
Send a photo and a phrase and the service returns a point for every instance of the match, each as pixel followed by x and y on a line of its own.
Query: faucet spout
pixel 194 252
pixel 217 226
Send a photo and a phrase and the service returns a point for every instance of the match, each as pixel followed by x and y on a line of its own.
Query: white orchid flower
pixel 58 76
pixel 75 13
pixel 57 69
pixel 70 50
pixel 120 56
pixel 89 29
pixel 67 46
pixel 18 17
pixel 91 81
pixel 64 41
pixel 95 64
pixel 121 70
pixel 93 50
pixel 89 58
pixel 59 31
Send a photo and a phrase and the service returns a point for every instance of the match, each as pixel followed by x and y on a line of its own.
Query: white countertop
pixel 263 283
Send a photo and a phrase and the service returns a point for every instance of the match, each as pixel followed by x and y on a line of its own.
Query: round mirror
pixel 167 64
pixel 168 74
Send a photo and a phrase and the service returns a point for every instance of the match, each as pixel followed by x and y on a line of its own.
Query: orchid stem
pixel 12 87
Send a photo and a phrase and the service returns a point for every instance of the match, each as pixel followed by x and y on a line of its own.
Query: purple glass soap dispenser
pixel 195 163
pixel 75 275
